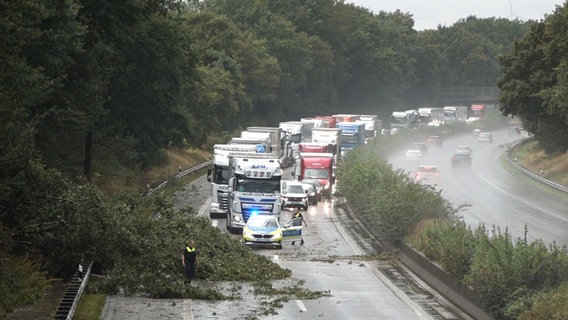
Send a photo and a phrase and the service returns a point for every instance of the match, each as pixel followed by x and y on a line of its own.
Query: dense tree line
pixel 139 76
pixel 118 82
pixel 535 78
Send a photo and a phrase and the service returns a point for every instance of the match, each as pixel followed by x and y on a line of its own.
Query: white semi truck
pixel 254 188
pixel 373 125
pixel 296 132
pixel 331 137
pixel 455 113
pixel 220 174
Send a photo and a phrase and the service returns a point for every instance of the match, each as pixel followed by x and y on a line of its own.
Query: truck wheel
pixel 228 222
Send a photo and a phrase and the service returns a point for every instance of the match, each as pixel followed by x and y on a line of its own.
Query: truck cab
pixel 220 173
pixel 254 188
pixel 317 166
pixel 352 135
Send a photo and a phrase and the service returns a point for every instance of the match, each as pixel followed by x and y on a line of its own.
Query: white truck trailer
pixel 278 143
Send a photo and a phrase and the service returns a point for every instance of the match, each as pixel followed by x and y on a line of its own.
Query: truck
pixel 318 123
pixel 455 113
pixel 297 131
pixel 424 116
pixel 331 137
pixel 219 175
pixel 329 121
pixel 436 117
pixel 346 117
pixel 403 119
pixel 317 166
pixel 478 111
pixel 262 143
pixel 373 125
pixel 313 147
pixel 278 143
pixel 352 135
pixel 254 188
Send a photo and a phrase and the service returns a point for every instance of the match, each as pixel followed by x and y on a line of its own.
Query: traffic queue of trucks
pixel 246 173
pixel 431 116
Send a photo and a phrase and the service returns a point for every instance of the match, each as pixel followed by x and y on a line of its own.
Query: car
pixel 267 230
pixel 420 146
pixel 485 137
pixel 314 194
pixel 427 174
pixel 464 148
pixel 514 131
pixel 263 229
pixel 413 155
pixel 461 158
pixel 293 195
pixel 475 132
pixel 435 140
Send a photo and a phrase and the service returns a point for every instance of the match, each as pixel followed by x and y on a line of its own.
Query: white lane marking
pixel 301 306
pixel 187 314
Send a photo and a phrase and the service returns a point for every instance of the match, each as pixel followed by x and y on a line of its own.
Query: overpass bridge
pixel 467 96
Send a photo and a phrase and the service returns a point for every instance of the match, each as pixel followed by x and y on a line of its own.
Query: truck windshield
pixel 221 174
pixel 350 139
pixel 316 174
pixel 295 138
pixel 399 120
pixel 271 185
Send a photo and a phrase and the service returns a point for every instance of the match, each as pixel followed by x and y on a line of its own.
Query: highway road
pixel 497 196
pixel 336 259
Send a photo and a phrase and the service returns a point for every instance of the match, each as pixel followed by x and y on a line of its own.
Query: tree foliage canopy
pixel 535 75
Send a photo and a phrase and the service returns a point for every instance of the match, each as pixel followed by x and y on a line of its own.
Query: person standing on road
pixel 302 221
pixel 189 260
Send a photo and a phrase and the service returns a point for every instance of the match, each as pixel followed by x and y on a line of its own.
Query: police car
pixel 266 230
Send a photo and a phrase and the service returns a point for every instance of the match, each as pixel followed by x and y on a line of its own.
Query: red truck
pixel 317 166
pixel 330 121
pixel 316 147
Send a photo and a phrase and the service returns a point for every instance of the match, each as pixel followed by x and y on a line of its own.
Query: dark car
pixel 461 159
pixel 314 195
pixel 435 140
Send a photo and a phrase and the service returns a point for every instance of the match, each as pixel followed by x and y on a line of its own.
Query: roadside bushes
pixel 387 200
pixel 511 278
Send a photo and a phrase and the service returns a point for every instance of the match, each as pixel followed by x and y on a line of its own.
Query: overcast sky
pixel 428 14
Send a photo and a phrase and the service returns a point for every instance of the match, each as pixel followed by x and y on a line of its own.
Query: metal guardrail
pixel 529 173
pixel 182 174
pixel 72 296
